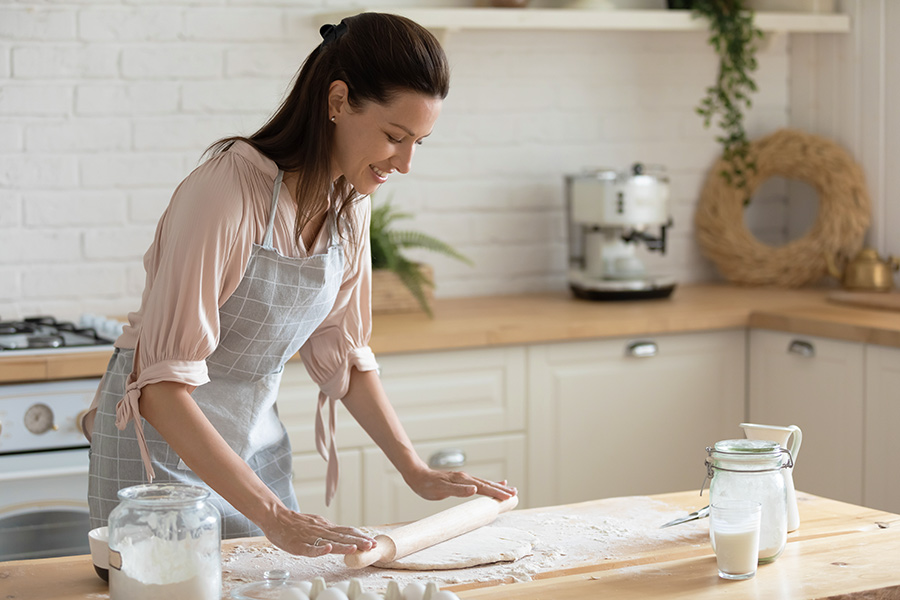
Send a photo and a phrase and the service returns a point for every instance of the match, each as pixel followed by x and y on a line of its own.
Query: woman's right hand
pixel 297 533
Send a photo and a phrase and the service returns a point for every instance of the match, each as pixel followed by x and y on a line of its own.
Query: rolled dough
pixel 482 546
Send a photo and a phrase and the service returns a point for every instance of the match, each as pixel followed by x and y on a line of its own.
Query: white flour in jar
pixel 154 569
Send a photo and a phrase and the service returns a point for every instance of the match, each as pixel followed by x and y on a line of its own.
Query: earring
pixel 332 119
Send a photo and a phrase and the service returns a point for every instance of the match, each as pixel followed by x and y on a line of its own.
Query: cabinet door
pixel 630 416
pixel 882 448
pixel 390 500
pixel 816 384
pixel 435 394
pixel 309 485
pixel 297 398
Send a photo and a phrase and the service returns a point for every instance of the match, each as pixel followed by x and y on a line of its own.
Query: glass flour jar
pixel 164 542
pixel 751 470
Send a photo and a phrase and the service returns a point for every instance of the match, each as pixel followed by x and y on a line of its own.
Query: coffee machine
pixel 609 213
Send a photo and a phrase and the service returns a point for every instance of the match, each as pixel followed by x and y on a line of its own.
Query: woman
pixel 264 251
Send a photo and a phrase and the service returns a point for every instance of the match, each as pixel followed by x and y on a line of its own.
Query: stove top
pixel 43 334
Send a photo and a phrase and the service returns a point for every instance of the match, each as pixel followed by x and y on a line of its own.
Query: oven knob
pixel 39 419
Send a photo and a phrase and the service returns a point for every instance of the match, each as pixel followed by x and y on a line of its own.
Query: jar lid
pixel 751 447
pixel 275 584
pixel 601 173
pixel 163 494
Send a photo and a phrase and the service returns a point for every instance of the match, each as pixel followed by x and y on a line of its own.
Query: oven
pixel 43 454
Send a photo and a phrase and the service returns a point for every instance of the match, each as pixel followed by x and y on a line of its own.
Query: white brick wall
pixel 10 209
pixel 33 99
pixel 136 99
pixel 86 209
pixel 106 105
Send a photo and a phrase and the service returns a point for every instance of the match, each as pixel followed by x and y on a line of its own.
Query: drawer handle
pixel 802 348
pixel 447 459
pixel 642 349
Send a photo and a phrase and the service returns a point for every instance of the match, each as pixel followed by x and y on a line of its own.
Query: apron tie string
pixel 331 477
pixel 127 409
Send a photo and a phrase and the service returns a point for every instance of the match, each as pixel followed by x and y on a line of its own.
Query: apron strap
pixel 333 227
pixel 267 242
pixel 331 477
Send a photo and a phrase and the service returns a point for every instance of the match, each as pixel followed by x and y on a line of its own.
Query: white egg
pixel 369 596
pixel 292 593
pixel 414 591
pixel 341 585
pixel 331 593
pixel 305 586
pixel 444 595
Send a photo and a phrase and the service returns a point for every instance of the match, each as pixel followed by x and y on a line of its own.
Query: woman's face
pixel 376 140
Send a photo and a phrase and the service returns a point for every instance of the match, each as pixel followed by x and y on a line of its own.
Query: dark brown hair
pixel 377 55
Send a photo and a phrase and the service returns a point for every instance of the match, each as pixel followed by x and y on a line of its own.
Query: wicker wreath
pixel 840 226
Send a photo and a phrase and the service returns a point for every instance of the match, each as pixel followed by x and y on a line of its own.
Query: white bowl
pixel 99 539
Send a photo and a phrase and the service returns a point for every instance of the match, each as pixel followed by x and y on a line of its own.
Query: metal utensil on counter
pixel 699 514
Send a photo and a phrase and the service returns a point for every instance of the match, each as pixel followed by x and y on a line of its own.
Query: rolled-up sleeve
pixel 195 263
pixel 341 342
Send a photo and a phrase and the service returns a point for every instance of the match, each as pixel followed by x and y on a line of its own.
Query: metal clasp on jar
pixel 710 467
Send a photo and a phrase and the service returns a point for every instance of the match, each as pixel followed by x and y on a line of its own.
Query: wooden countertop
pixel 840 551
pixel 554 317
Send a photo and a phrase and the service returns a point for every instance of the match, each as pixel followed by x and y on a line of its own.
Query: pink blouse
pixel 197 259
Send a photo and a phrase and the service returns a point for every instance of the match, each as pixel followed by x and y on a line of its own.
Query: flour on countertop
pixel 582 536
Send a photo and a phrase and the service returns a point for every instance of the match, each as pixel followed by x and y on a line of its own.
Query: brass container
pixel 866 272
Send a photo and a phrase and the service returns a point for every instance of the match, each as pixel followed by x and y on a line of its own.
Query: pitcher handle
pixel 795 440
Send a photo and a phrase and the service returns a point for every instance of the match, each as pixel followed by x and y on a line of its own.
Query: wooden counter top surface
pixel 554 317
pixel 840 551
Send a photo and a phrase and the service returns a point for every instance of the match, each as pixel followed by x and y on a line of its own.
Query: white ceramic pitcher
pixel 781 435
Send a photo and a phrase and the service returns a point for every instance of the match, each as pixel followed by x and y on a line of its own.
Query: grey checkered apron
pixel 276 307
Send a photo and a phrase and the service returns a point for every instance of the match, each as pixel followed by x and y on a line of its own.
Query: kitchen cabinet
pixel 817 384
pixel 882 419
pixel 630 416
pixel 389 499
pixel 469 400
pixel 309 484
pixel 601 423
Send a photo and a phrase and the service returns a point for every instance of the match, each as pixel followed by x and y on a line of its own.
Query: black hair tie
pixel 331 33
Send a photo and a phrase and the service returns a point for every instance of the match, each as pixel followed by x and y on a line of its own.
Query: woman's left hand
pixel 437 485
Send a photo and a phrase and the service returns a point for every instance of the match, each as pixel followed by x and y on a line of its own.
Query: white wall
pixel 846 87
pixel 106 106
pixel 874 124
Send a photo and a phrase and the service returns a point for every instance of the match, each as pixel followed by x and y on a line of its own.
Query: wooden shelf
pixel 457 19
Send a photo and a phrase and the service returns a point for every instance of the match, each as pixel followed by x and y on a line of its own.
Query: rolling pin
pixel 432 530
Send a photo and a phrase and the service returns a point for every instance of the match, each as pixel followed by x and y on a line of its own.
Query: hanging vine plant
pixel 735 39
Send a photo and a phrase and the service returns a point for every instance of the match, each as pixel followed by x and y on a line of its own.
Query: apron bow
pixel 330 455
pixel 128 409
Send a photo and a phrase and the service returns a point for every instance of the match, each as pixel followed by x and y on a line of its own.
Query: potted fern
pixel 400 284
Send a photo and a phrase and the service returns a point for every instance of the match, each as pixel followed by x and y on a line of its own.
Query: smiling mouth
pixel 382 175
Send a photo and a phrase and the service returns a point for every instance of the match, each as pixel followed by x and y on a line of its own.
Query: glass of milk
pixel 734 534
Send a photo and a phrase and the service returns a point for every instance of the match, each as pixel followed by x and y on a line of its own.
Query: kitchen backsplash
pixel 105 107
